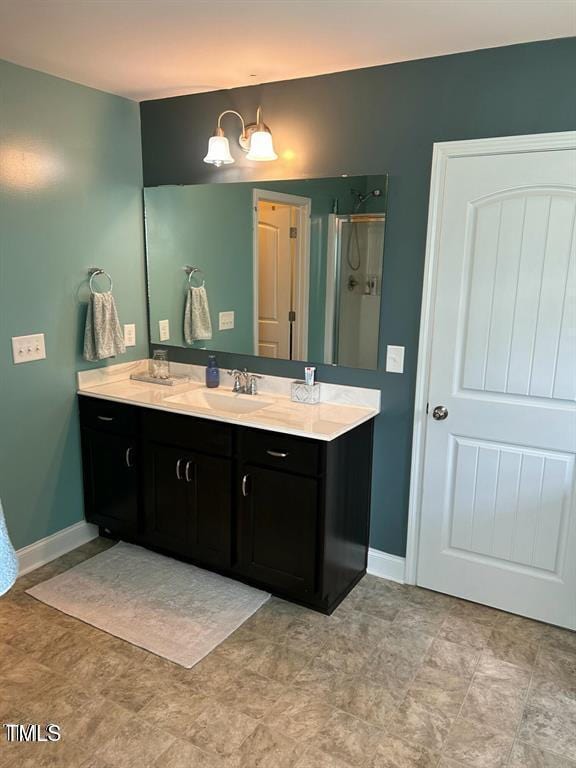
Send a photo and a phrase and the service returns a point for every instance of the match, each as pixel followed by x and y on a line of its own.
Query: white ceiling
pixel 146 49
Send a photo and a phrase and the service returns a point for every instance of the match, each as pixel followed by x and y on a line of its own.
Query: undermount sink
pixel 220 401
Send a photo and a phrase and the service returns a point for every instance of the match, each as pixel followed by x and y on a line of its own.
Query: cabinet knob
pixel 187 472
pixel 278 454
pixel 178 475
pixel 245 485
pixel 128 457
pixel 106 418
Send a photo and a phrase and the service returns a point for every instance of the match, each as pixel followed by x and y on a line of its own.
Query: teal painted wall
pixel 70 197
pixel 378 120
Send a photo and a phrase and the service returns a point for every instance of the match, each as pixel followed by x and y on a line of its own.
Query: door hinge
pixel 291 316
pixel 427 407
pixel 293 233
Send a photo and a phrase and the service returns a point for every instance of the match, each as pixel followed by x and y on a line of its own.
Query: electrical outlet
pixel 225 321
pixel 394 359
pixel 28 348
pixel 130 335
pixel 164 329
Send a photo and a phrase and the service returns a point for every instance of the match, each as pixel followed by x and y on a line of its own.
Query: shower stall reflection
pixel 354 280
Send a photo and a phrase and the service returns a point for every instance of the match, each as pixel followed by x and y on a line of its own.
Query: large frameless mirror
pixel 284 269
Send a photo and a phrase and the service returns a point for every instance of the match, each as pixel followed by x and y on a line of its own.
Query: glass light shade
pixel 8 558
pixel 218 151
pixel 261 147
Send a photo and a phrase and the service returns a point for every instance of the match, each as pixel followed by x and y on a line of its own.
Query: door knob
pixel 440 413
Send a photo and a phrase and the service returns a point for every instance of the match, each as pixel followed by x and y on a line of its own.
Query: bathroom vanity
pixel 225 485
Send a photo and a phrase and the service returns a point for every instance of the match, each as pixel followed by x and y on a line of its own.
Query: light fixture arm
pixel 220 130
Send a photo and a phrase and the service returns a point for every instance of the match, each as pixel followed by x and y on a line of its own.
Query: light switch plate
pixel 164 329
pixel 225 321
pixel 25 349
pixel 394 359
pixel 130 334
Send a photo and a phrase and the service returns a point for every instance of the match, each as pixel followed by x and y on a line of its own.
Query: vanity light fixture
pixel 255 140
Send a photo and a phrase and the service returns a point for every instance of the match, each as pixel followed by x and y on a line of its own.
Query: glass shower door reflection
pixel 357 276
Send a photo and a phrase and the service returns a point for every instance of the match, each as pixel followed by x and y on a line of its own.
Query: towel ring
pixel 191 271
pixel 94 272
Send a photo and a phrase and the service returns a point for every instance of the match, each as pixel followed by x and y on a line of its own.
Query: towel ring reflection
pixel 191 271
pixel 94 272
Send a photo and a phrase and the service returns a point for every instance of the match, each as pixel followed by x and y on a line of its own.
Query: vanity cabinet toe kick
pixel 286 514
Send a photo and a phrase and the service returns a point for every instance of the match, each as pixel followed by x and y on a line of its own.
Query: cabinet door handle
pixel 178 475
pixel 128 457
pixel 187 472
pixel 244 485
pixel 106 418
pixel 278 454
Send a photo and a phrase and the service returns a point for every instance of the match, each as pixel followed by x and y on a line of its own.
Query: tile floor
pixel 398 677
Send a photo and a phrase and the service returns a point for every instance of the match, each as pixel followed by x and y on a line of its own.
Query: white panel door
pixel 274 280
pixel 498 520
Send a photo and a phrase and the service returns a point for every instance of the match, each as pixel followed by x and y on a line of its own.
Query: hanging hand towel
pixel 103 336
pixel 197 324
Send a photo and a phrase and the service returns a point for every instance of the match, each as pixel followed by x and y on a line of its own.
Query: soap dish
pixel 305 393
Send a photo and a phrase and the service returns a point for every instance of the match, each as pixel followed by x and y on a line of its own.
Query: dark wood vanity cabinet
pixel 279 509
pixel 278 524
pixel 284 513
pixel 111 459
pixel 187 494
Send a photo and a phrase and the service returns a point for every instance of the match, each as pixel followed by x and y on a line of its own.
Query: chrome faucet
pixel 238 386
pixel 244 383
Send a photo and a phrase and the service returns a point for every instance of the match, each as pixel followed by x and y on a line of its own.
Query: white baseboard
pixel 386 566
pixel 33 556
pixel 56 545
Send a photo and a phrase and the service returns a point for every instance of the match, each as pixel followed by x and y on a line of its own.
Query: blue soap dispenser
pixel 212 373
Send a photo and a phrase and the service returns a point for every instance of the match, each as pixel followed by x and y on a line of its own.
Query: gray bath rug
pixel 172 609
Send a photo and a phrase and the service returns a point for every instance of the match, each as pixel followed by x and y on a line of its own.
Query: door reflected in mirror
pixel 286 269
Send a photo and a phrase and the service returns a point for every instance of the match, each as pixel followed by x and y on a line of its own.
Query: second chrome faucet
pixel 245 383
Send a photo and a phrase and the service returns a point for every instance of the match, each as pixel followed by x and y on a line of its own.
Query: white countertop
pixel 322 421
